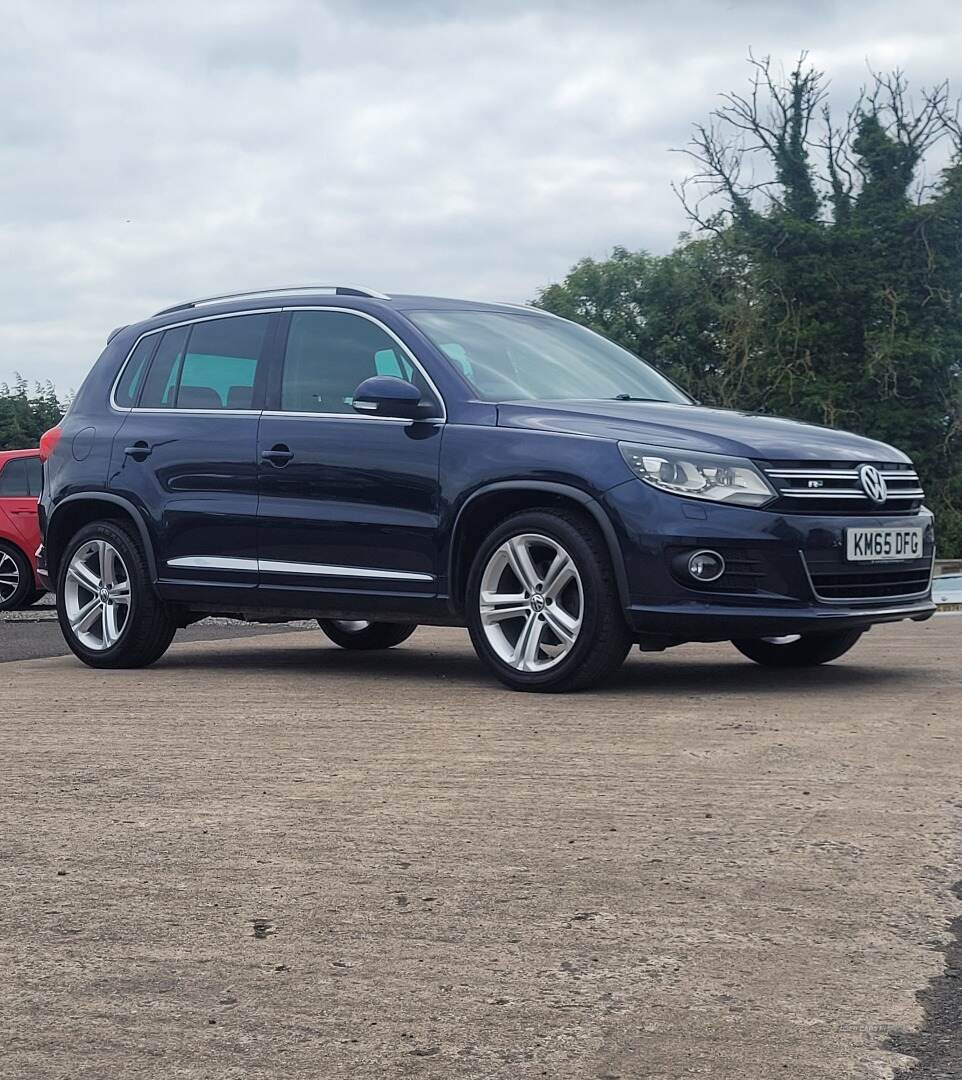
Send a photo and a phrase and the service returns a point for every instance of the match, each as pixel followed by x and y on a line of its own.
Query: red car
pixel 21 478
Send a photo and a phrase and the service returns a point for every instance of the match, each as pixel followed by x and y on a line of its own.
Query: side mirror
pixel 385 395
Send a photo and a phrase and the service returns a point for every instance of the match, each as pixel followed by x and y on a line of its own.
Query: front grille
pixel 833 487
pixel 835 581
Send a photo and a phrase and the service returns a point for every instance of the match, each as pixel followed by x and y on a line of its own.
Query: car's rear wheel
pixel 16 578
pixel 798 650
pixel 108 611
pixel 542 604
pixel 359 634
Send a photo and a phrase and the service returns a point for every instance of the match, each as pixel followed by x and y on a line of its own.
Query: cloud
pixel 149 153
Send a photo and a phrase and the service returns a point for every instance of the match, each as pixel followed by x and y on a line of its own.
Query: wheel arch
pixel 75 511
pixel 492 503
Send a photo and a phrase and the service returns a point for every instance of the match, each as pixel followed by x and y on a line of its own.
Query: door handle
pixel 278 455
pixel 139 451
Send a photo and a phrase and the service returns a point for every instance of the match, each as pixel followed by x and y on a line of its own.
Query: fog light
pixel 706 566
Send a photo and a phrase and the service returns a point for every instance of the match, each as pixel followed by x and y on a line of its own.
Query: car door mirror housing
pixel 388 396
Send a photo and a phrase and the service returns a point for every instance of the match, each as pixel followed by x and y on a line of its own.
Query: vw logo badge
pixel 873 483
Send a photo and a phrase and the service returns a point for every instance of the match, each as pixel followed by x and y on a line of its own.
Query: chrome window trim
pixel 174 326
pixel 279 414
pixel 294 308
pixel 276 412
pixel 279 566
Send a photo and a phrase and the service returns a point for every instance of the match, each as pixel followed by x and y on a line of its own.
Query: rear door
pixel 21 482
pixel 349 503
pixel 186 453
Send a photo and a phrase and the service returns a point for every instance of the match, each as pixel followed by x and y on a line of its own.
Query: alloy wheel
pixel 9 576
pixel 351 626
pixel 531 602
pixel 97 595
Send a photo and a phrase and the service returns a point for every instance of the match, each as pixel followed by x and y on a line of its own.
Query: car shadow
pixel 679 671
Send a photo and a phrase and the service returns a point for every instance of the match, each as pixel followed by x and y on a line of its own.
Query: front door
pixel 348 504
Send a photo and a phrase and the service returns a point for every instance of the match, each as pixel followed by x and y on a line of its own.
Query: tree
pixel 825 280
pixel 25 416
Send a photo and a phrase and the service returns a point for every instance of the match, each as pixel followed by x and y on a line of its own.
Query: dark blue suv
pixel 378 462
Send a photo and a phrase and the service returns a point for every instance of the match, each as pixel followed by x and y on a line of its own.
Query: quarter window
pixel 160 387
pixel 330 353
pixel 133 377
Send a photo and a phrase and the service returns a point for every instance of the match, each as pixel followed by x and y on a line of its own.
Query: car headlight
pixel 699 476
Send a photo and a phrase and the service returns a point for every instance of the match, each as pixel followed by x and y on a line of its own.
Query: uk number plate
pixel 882 545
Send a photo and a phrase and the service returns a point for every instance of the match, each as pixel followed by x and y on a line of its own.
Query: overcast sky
pixel 151 152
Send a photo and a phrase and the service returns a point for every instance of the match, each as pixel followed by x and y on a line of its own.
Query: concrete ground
pixel 33 633
pixel 266 857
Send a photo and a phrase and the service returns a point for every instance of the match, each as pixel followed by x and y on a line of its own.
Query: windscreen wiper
pixel 629 397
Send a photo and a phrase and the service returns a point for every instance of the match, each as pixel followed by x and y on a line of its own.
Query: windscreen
pixel 512 357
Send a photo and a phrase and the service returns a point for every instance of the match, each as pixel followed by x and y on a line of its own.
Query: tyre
pixel 542 604
pixel 798 650
pixel 108 611
pixel 366 635
pixel 16 578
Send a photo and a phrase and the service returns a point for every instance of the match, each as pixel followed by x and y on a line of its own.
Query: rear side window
pixel 21 478
pixel 209 365
pixel 133 375
pixel 221 363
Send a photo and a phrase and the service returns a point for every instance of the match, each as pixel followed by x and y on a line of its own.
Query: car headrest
pixel 198 397
pixel 240 397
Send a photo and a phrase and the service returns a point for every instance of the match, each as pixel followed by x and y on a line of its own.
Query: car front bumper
pixel 777 561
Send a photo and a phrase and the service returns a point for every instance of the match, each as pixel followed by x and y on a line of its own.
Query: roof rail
pixel 337 290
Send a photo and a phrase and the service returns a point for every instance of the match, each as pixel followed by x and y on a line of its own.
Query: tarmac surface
pixel 266 857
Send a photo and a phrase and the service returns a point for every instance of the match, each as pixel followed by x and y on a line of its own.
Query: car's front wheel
pixel 543 606
pixel 108 611
pixel 359 634
pixel 798 650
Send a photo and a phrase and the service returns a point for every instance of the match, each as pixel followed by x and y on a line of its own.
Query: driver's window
pixel 329 353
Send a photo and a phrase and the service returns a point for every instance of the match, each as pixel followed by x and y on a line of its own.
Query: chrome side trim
pixel 210 562
pixel 278 566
